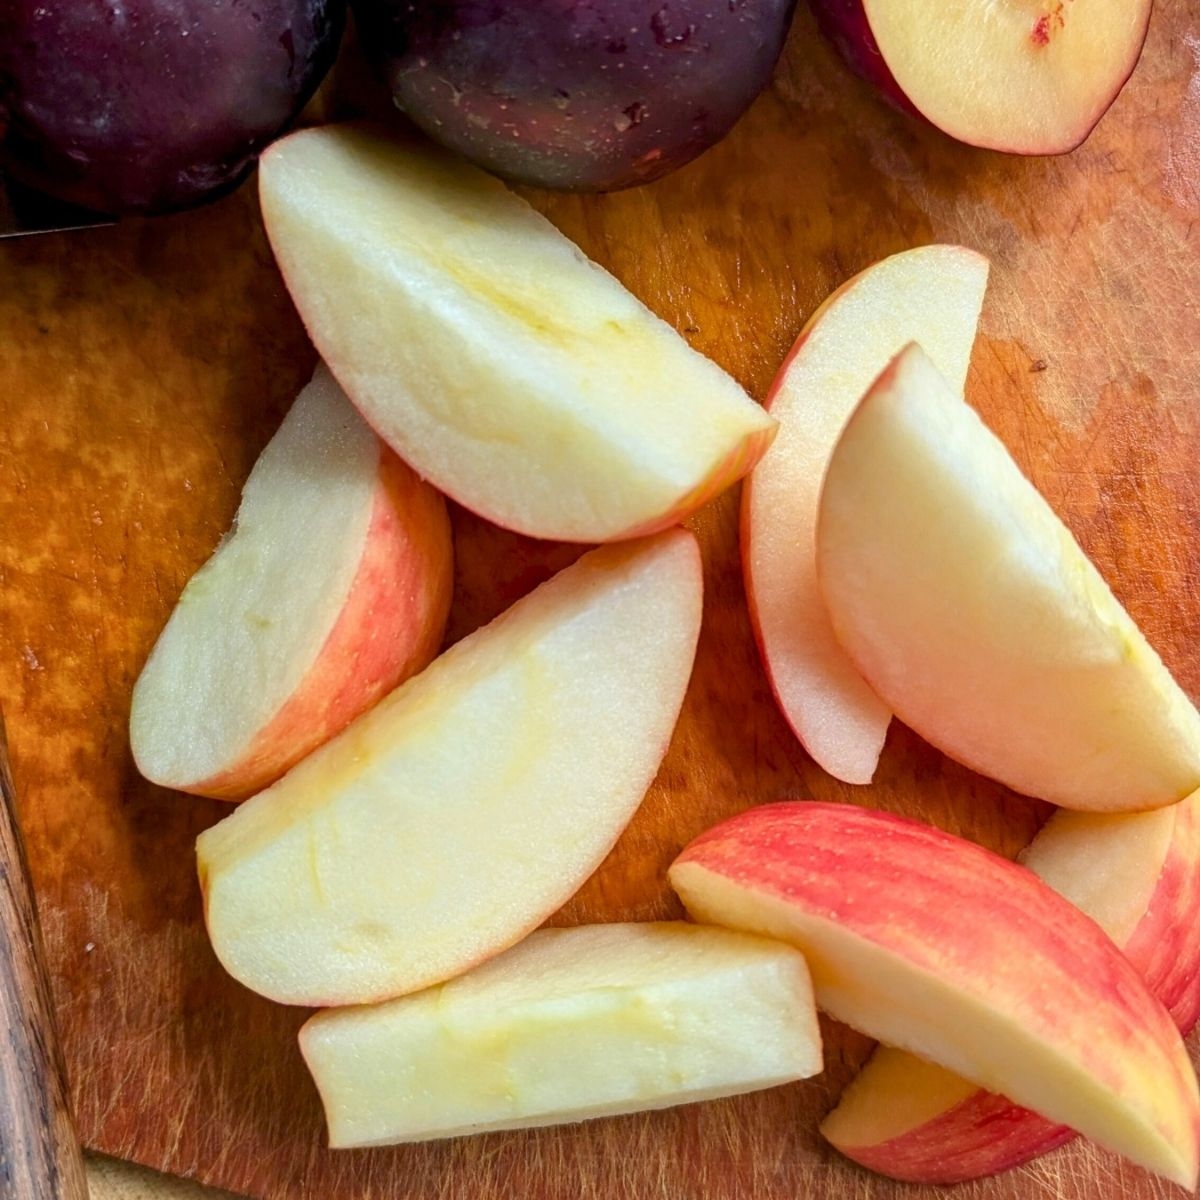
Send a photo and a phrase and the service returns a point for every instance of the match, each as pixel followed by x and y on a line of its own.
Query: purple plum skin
pixel 844 23
pixel 147 106
pixel 584 95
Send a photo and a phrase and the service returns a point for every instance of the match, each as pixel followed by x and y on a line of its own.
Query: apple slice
pixel 519 377
pixel 969 608
pixel 1138 876
pixel 935 945
pixel 1030 77
pixel 462 810
pixel 570 1024
pixel 932 294
pixel 332 587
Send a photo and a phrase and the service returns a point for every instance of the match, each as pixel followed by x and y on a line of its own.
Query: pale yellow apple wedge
pixel 332 587
pixel 468 805
pixel 971 610
pixel 932 294
pixel 568 1025
pixel 520 378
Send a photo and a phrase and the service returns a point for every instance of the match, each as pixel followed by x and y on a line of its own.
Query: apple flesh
pixel 519 377
pixel 971 610
pixel 1137 876
pixel 1025 78
pixel 932 294
pixel 570 1024
pixel 939 947
pixel 468 805
pixel 332 587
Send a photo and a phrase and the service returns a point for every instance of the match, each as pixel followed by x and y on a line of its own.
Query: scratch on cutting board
pixel 1181 178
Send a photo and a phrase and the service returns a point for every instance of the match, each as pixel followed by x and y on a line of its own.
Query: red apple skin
pixel 907 888
pixel 844 23
pixel 983 1135
pixel 835 860
pixel 986 1133
pixel 391 628
pixel 1164 947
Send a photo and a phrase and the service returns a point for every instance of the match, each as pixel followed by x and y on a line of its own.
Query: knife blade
pixel 40 1157
pixel 24 212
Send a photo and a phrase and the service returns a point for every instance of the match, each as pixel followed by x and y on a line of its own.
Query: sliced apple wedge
pixel 568 1025
pixel 519 377
pixel 970 609
pixel 932 294
pixel 937 946
pixel 1138 876
pixel 332 587
pixel 468 805
pixel 1030 78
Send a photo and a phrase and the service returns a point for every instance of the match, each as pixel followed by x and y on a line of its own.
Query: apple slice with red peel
pixel 1138 876
pixel 519 377
pixel 971 610
pixel 935 945
pixel 568 1025
pixel 943 1129
pixel 464 808
pixel 332 587
pixel 1025 76
pixel 933 294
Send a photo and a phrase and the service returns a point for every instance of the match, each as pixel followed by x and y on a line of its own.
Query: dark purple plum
pixel 144 106
pixel 588 95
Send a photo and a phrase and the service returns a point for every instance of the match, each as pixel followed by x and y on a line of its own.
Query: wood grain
pixel 143 367
pixel 40 1157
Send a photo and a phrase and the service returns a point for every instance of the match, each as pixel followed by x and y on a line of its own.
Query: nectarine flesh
pixel 1028 78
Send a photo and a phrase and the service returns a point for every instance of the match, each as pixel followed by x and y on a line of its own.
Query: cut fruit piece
pixel 571 1024
pixel 935 945
pixel 1028 77
pixel 462 810
pixel 332 587
pixel 970 609
pixel 932 294
pixel 1138 876
pixel 519 377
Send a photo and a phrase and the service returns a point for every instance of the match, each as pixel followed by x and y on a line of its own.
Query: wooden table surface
pixel 143 367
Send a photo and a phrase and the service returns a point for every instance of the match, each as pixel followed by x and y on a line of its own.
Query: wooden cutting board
pixel 143 367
